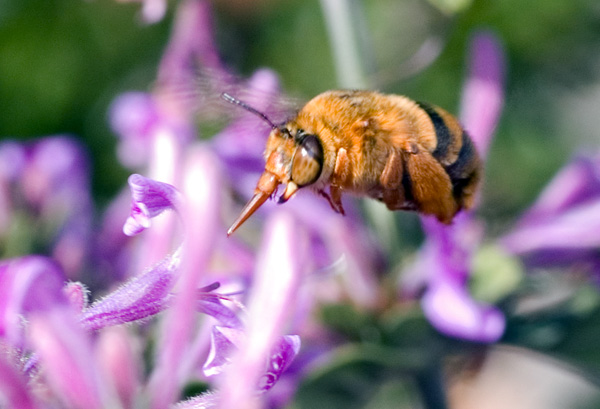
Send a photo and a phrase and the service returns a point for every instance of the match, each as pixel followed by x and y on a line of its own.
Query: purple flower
pixel 562 226
pixel 443 264
pixel 47 182
pixel 149 199
pixel 27 285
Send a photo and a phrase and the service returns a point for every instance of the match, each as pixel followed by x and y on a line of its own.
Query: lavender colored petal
pixel 240 145
pixel 272 300
pixel 212 305
pixel 191 46
pixel 77 295
pixel 452 311
pixel 139 298
pixel 14 391
pixel 483 92
pixel 13 159
pixel 119 359
pixel 574 184
pixel 133 115
pixel 281 357
pixel 575 229
pixel 66 356
pixel 149 199
pixel 201 213
pixel 223 342
pixel 153 10
pixel 57 169
pixel 29 284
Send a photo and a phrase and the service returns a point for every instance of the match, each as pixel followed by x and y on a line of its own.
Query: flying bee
pixel 406 154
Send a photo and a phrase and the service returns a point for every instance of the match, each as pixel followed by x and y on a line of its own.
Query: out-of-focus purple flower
pixel 241 144
pixel 65 352
pixel 119 358
pixel 443 264
pixel 27 285
pixel 47 181
pixel 201 218
pixel 14 386
pixel 270 305
pixel 225 341
pixel 77 295
pixel 563 225
pixel 483 92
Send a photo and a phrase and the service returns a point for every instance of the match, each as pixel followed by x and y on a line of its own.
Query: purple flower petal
pixel 139 298
pixel 576 183
pixel 223 342
pixel 12 160
pixel 212 305
pixel 191 46
pixel 271 302
pixel 28 284
pixel 281 357
pixel 149 199
pixel 77 295
pixel 483 92
pixel 133 115
pixel 116 351
pixel 562 225
pixel 66 356
pixel 201 216
pixel 452 311
pixel 13 386
pixel 153 10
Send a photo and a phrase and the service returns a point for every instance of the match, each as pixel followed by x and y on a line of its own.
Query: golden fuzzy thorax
pixel 367 125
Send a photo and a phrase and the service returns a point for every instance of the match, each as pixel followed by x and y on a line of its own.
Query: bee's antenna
pixel 248 108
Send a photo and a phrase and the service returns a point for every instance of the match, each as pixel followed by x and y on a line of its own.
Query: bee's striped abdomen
pixel 457 154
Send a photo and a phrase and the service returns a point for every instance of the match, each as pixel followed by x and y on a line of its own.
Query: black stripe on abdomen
pixel 442 133
pixel 462 170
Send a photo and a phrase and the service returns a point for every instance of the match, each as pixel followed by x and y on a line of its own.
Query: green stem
pixel 431 386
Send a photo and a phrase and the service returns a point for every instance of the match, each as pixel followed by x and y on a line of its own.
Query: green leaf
pixel 495 274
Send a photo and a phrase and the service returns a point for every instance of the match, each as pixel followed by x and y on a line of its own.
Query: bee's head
pixel 293 157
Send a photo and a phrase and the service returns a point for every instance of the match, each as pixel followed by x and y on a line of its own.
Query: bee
pixel 406 154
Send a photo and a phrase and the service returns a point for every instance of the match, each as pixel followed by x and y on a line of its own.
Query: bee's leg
pixel 341 173
pixel 391 181
pixel 391 177
pixel 431 187
pixel 343 168
pixel 335 199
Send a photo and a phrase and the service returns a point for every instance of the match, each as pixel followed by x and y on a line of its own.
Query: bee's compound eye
pixel 308 161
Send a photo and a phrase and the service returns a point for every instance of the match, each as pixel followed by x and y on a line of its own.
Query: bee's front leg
pixel 334 198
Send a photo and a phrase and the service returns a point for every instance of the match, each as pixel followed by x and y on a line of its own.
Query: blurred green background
pixel 63 61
